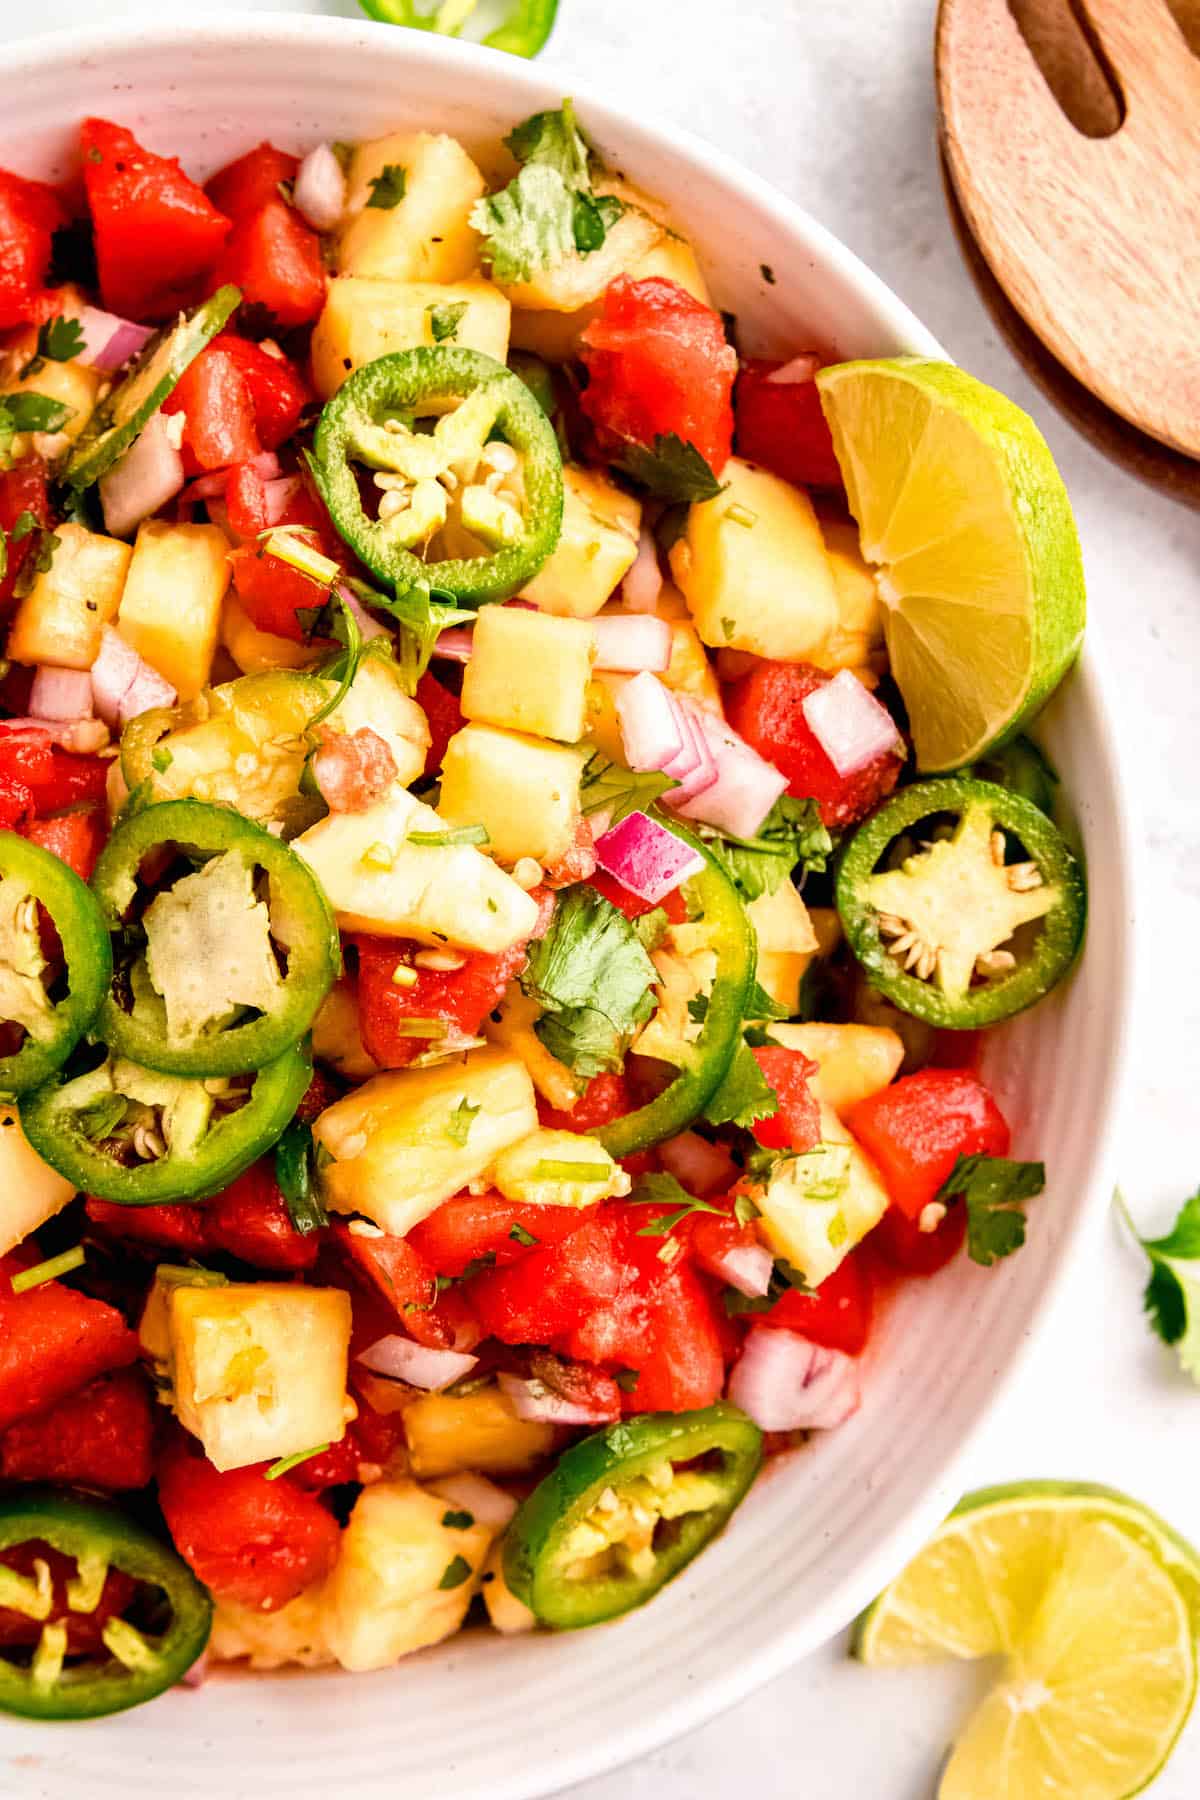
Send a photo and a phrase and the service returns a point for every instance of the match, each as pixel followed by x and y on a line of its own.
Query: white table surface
pixel 834 104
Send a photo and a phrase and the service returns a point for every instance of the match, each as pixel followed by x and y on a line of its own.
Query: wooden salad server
pixel 1086 207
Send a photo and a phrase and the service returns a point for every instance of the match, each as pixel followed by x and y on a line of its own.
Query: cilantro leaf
pixel 457 1519
pixel 422 614
pixel 606 787
pixel 744 1095
pixel 651 928
pixel 670 469
pixel 664 1190
pixel 58 340
pixel 1172 1296
pixel 791 834
pixel 993 1188
pixel 549 210
pixel 39 562
pixel 458 1125
pixel 444 321
pixel 28 412
pixel 520 1235
pixel 759 1005
pixel 457 1570
pixel 593 981
pixel 388 187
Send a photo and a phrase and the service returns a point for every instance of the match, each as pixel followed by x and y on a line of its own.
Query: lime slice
pixel 960 507
pixel 1095 1604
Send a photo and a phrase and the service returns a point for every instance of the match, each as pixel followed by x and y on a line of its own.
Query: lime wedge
pixel 963 512
pixel 1095 1605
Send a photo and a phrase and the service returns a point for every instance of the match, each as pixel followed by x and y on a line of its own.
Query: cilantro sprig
pixel 664 1190
pixel 59 339
pixel 606 787
pixel 593 980
pixel 1172 1296
pixel 28 412
pixel 549 210
pixel 791 835
pixel 388 188
pixel 670 468
pixel 993 1189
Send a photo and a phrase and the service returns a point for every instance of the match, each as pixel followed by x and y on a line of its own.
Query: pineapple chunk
pixel 256 651
pixel 61 618
pixel 859 629
pixel 376 698
pixel 598 544
pixel 506 1613
pixel 524 790
pixel 154 1326
pixel 602 726
pixel 786 941
pixel 518 1172
pixel 72 383
pixel 816 1207
pixel 30 1190
pixel 687 969
pixel 529 671
pixel 854 1061
pixel 450 1432
pixel 689 670
pixel 427 235
pixel 274 1640
pixel 336 1038
pixel 576 280
pixel 556 335
pixel 365 319
pixel 259 1368
pixel 377 881
pixel 171 607
pixel 511 1025
pixel 403 1578
pixel 753 567
pixel 409 1139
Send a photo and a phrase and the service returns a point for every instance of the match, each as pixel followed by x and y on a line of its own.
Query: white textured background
pixel 832 100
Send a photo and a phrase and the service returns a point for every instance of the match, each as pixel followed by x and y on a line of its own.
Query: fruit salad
pixel 515 818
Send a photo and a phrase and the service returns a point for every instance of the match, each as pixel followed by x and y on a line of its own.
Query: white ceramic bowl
pixel 482 1718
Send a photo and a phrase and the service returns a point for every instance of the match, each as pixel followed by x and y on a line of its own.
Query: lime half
pixel 962 510
pixel 1095 1605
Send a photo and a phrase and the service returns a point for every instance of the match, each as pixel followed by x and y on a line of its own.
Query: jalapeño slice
pixel 52 1024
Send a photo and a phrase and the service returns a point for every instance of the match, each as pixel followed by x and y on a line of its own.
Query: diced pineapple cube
pixel 377 881
pixel 30 1190
pixel 365 319
pixel 753 568
pixel 854 1061
pixel 154 1326
pixel 376 698
pixel 409 1139
pixel 689 670
pixel 336 1038
pixel 425 236
pixel 859 629
pixel 598 544
pixel 450 1432
pixel 506 1613
pixel 603 727
pixel 171 606
pixel 522 789
pixel 529 671
pixel 73 384
pixel 816 1207
pixel 512 1026
pixel 256 651
pixel 558 1168
pixel 786 941
pixel 259 1368
pixel 576 280
pixel 556 335
pixel 274 1640
pixel 61 618
pixel 403 1578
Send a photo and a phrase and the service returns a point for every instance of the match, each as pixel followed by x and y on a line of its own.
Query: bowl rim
pixel 695 1704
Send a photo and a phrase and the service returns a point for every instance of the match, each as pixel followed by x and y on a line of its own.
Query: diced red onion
pixel 279 495
pixel 704 774
pixel 747 1267
pixel 785 1383
pixel 745 788
pixel 642 583
pixel 488 1504
pixel 646 858
pixel 850 724
pixel 455 645
pixel 123 684
pixel 108 341
pixel 422 1367
pixel 368 627
pixel 148 475
pixel 83 737
pixel 696 1164
pixel 629 642
pixel 534 1402
pixel 212 485
pixel 319 191
pixel 61 694
pixel 651 735
pixel 197 1675
pixel 801 368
